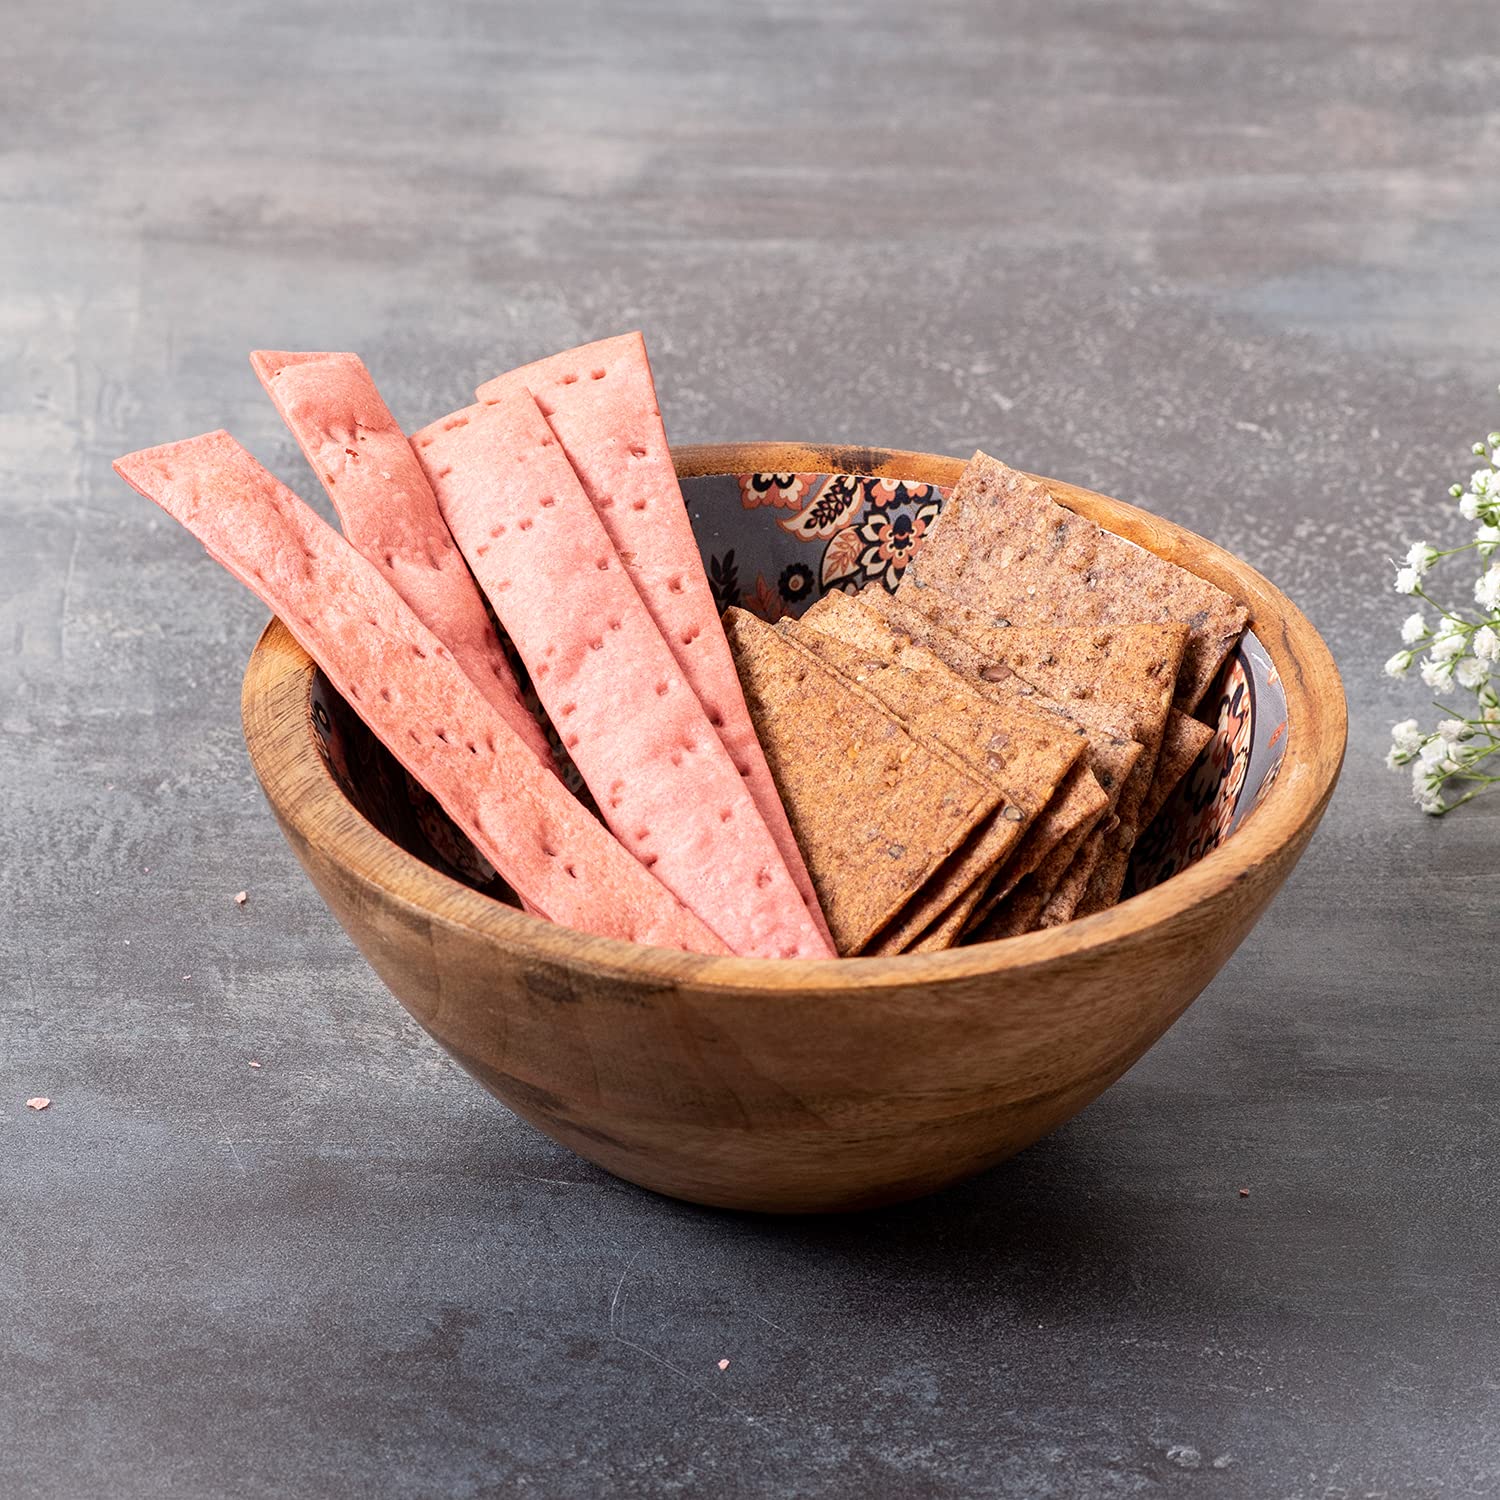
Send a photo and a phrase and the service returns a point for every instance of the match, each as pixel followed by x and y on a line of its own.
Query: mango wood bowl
pixel 798 1086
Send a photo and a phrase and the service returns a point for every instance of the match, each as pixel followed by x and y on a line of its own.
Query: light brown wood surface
pixel 798 1086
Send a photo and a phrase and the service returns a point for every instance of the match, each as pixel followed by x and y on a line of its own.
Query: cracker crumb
pixel 39 1103
pixel 241 897
pixel 723 1364
pixel 253 1065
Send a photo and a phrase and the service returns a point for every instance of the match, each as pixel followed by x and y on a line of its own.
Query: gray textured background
pixel 1236 262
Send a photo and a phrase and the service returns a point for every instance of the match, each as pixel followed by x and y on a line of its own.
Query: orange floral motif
pixel 764 600
pixel 781 491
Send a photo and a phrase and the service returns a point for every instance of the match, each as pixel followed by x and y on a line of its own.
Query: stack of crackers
pixel 975 755
pixel 966 759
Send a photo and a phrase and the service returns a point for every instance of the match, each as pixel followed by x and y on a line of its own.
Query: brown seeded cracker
pixel 1183 742
pixel 1064 901
pixel 1112 753
pixel 1079 800
pixel 1001 743
pixel 1130 671
pixel 1132 668
pixel 1003 545
pixel 875 812
pixel 1020 909
pixel 1110 723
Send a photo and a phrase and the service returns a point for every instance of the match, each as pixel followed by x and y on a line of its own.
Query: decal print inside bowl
pixel 774 544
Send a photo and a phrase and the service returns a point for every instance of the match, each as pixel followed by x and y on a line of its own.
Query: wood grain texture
pixel 799 1086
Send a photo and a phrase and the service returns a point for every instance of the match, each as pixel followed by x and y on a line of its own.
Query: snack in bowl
pixel 795 1086
pixel 816 949
pixel 972 756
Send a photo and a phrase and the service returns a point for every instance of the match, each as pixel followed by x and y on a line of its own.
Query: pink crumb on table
pixel 241 897
pixel 253 1065
pixel 1244 1192
pixel 39 1103
pixel 723 1364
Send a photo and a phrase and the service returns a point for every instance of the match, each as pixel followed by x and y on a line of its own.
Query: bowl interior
pixel 775 543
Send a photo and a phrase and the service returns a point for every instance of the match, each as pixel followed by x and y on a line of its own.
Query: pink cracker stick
pixel 333 409
pixel 637 733
pixel 601 403
pixel 405 684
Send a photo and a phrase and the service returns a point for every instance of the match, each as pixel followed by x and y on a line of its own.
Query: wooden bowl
pixel 800 1086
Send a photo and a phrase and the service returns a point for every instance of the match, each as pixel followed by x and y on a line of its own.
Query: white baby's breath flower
pixel 1420 557
pixel 1455 650
pixel 1449 642
pixel 1407 736
pixel 1487 590
pixel 1471 674
pixel 1438 675
pixel 1426 789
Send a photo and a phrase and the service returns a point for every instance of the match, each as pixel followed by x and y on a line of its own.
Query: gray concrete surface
pixel 1234 261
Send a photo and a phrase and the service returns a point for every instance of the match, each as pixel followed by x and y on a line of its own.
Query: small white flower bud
pixel 1420 557
pixel 1413 628
pixel 1407 580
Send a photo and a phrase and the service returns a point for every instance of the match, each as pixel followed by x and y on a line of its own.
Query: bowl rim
pixel 278 727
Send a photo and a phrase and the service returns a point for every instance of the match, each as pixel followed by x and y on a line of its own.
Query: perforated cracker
pixel 601 402
pixel 331 405
pixel 406 685
pixel 661 777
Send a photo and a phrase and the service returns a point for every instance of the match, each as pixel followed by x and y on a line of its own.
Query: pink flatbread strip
pixel 601 403
pixel 636 731
pixel 405 684
pixel 388 511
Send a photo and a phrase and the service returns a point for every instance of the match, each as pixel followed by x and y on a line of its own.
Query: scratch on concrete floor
pixel 617 1322
pixel 233 1149
pixel 67 597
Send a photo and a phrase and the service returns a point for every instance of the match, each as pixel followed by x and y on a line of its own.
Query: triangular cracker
pixel 875 811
